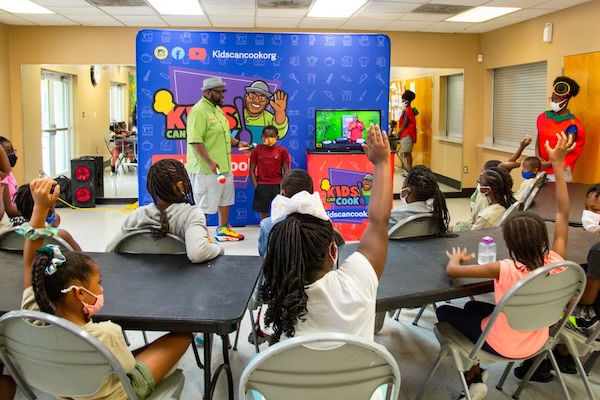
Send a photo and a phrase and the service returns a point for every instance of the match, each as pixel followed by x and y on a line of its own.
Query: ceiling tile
pixel 187 20
pixel 424 17
pixel 372 15
pixel 289 13
pixel 321 23
pixel 96 20
pixel 224 11
pixel 268 22
pixel 370 24
pixel 141 20
pixel 560 4
pixel 66 11
pixel 47 19
pixel 12 19
pixel 232 22
pixel 231 4
pixel 449 27
pixel 128 10
pixel 385 7
pixel 63 3
pixel 407 26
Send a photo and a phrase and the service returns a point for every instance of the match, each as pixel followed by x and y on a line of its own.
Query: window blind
pixel 519 97
pixel 455 105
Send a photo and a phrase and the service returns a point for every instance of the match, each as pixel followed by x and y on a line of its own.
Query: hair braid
pixel 162 180
pixel 424 183
pixel 501 183
pixel 297 246
pixel 526 237
pixel 47 288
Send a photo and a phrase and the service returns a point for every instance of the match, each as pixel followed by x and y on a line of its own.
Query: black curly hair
pixel 563 85
pixel 526 238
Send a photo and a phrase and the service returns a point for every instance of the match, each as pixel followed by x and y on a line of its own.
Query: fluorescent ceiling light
pixel 23 7
pixel 177 7
pixel 481 14
pixel 335 8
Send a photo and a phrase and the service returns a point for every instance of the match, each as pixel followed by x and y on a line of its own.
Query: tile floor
pixel 414 347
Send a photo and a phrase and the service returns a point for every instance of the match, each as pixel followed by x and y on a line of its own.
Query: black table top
pixel 544 203
pixel 159 292
pixel 415 272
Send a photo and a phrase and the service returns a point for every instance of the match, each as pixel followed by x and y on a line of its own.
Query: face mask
pixel 12 159
pixel 590 221
pixel 527 174
pixel 269 141
pixel 556 107
pixel 50 219
pixel 404 195
pixel 487 189
pixel 333 258
pixel 88 309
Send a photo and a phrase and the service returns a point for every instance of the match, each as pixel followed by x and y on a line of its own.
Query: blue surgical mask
pixel 50 219
pixel 527 174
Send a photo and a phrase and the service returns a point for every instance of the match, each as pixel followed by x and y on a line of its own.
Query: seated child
pixel 118 148
pixel 294 181
pixel 527 239
pixel 173 211
pixel 303 291
pixel 68 285
pixel 531 167
pixel 590 217
pixel 25 205
pixel 421 194
pixel 495 185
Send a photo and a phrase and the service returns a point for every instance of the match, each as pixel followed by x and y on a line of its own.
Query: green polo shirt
pixel 206 123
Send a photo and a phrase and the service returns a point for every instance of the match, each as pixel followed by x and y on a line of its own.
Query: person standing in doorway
pixel 408 129
pixel 209 144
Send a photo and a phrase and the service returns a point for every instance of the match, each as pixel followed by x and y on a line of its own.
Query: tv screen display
pixel 342 130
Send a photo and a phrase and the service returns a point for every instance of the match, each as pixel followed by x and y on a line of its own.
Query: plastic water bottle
pixel 487 250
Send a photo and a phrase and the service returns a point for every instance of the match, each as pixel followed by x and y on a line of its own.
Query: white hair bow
pixel 302 202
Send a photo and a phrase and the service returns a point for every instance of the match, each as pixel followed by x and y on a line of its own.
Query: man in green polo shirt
pixel 209 145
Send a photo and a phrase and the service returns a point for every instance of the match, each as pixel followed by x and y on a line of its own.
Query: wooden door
pixel 583 68
pixel 424 103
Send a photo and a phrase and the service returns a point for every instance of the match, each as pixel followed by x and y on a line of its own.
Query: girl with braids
pixel 527 240
pixel 496 185
pixel 69 286
pixel 421 194
pixel 173 211
pixel 303 292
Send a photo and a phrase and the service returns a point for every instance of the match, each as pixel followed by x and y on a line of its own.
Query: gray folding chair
pixel 513 209
pixel 322 366
pixel 529 197
pixel 416 225
pixel 61 359
pixel 539 300
pixel 12 241
pixel 580 346
pixel 142 242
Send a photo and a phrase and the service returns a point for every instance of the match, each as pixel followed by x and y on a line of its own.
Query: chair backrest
pixel 529 197
pixel 109 140
pixel 11 240
pixel 413 226
pixel 513 209
pixel 322 366
pixel 58 358
pixel 142 242
pixel 540 299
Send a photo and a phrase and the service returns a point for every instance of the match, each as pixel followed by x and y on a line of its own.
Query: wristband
pixel 31 233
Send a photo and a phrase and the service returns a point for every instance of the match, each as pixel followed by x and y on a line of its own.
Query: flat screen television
pixel 343 130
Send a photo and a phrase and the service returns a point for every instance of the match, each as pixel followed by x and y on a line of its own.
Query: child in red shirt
pixel 269 161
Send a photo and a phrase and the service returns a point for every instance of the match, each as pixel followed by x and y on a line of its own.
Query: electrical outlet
pixel 465 170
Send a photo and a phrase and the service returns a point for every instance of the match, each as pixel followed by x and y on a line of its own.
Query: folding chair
pixel 513 209
pixel 580 346
pixel 322 366
pixel 61 359
pixel 12 241
pixel 421 224
pixel 142 242
pixel 539 300
pixel 529 197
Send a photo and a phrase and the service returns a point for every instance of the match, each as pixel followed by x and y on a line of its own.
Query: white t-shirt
pixel 343 300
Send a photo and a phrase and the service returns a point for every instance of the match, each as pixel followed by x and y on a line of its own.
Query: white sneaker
pixel 478 391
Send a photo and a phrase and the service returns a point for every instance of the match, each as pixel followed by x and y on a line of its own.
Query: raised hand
pixel 377 147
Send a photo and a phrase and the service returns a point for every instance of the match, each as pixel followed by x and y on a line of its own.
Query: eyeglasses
pixel 221 92
pixel 261 97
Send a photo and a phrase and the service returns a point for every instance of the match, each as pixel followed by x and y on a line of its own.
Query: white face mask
pixel 556 107
pixel 590 221
pixel 404 195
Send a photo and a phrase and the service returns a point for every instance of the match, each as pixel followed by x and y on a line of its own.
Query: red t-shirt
pixel 269 162
pixel 549 124
pixel 411 128
pixel 356 129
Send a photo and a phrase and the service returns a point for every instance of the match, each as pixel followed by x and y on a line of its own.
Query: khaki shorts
pixel 142 380
pixel 406 144
pixel 209 194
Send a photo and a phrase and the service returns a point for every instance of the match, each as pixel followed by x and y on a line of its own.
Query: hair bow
pixel 56 257
pixel 302 202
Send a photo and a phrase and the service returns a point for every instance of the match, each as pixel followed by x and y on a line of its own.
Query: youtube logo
pixel 197 53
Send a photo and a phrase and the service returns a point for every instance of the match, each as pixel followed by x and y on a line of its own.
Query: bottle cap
pixel 487 240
